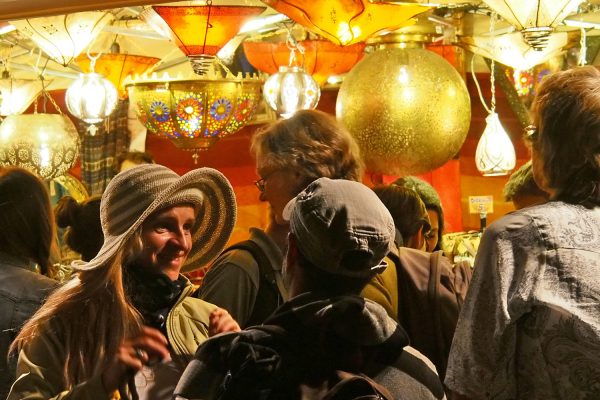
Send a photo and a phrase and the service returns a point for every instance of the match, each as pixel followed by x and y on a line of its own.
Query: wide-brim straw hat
pixel 134 194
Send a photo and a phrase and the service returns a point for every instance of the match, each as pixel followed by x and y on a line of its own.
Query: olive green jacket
pixel 41 361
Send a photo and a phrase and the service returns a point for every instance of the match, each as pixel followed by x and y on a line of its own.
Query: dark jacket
pixel 322 334
pixel 22 292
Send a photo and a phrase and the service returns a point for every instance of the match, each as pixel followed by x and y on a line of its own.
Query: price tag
pixel 481 204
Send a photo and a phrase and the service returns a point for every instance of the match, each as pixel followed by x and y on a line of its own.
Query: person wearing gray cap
pixel 340 233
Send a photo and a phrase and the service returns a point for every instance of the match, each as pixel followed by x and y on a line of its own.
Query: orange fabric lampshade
pixel 321 57
pixel 116 66
pixel 347 21
pixel 187 25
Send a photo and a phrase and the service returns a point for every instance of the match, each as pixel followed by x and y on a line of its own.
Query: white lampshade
pixel 291 89
pixel 91 98
pixel 46 144
pixel 495 154
pixel 535 19
pixel 510 49
pixel 17 94
pixel 64 37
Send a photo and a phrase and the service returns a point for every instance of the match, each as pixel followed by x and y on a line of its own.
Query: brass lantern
pixel 407 107
pixel 91 98
pixel 46 144
pixel 290 90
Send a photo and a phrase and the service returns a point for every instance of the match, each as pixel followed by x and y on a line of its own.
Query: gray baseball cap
pixel 341 227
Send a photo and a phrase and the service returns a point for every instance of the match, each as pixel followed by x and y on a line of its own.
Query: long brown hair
pixel 94 315
pixel 26 222
pixel 566 110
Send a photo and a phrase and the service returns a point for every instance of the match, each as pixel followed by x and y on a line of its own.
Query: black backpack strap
pixel 434 301
pixel 271 291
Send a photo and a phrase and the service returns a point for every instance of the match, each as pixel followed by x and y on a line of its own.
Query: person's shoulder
pixel 27 284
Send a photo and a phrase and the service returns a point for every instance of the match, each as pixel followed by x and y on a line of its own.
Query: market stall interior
pixel 440 90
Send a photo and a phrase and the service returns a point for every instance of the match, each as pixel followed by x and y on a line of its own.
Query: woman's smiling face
pixel 167 240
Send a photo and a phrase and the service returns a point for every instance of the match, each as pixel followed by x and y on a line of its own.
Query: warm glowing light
pixel 17 94
pixel 290 90
pixel 495 154
pixel 91 98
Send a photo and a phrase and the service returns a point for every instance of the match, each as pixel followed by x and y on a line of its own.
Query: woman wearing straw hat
pixel 126 324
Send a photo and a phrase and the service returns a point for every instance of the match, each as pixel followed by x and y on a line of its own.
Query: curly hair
pixel 312 143
pixel 566 111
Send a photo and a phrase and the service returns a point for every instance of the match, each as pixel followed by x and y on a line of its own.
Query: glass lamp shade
pixel 347 21
pixel 510 49
pixel 17 94
pixel 321 58
pixel 199 31
pixel 195 113
pixel 117 66
pixel 495 154
pixel 46 144
pixel 290 90
pixel 535 19
pixel 91 98
pixel 64 37
pixel 408 109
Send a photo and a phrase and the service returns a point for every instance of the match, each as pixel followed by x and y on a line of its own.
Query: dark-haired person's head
pixel 26 222
pixel 522 190
pixel 434 208
pixel 82 222
pixel 565 136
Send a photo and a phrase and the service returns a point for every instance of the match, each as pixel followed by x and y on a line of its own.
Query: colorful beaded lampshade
pixel 195 112
pixel 199 31
pixel 64 37
pixel 321 58
pixel 117 66
pixel 347 21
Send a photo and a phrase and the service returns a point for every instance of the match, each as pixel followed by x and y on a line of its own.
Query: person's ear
pixel 417 240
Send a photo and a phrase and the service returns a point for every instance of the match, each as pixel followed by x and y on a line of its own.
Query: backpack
pixel 270 285
pixel 431 293
pixel 261 366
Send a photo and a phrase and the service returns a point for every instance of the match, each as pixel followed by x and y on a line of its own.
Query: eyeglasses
pixel 260 184
pixel 530 132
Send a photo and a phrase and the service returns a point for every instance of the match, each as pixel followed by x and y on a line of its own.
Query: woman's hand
pixel 221 321
pixel 148 347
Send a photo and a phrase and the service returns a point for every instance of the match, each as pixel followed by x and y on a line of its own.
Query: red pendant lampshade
pixel 321 57
pixel 199 31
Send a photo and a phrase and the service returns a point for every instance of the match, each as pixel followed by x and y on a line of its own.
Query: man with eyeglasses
pixel 290 154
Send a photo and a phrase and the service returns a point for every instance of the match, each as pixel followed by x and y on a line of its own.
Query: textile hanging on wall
pixel 99 151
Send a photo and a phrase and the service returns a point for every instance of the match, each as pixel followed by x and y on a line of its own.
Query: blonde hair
pixel 95 317
pixel 312 143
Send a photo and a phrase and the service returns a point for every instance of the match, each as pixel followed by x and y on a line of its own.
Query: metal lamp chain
pixel 492 67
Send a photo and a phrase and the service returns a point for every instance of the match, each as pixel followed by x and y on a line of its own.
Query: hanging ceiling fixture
pixel 194 112
pixel 291 89
pixel 116 66
pixel 63 37
pixel 347 21
pixel 495 154
pixel 199 31
pixel 535 19
pixel 91 98
pixel 46 144
pixel 322 58
pixel 17 94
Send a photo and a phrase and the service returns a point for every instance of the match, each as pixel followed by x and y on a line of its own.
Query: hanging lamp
pixel 199 31
pixel 495 153
pixel 46 144
pixel 63 37
pixel 91 98
pixel 17 94
pixel 535 19
pixel 346 22
pixel 291 88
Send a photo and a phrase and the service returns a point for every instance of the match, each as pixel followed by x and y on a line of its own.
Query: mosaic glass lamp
pixel 194 112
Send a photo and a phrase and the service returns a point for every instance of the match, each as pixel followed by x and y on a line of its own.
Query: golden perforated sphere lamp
pixel 407 107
